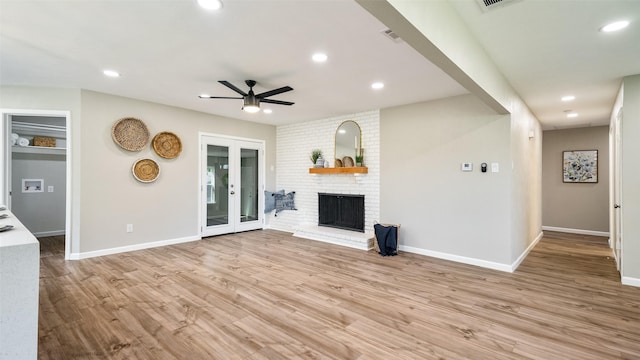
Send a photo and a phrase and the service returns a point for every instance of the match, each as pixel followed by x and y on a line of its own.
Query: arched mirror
pixel 348 144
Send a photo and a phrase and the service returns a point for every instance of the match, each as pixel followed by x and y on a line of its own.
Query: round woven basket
pixel 167 145
pixel 146 170
pixel 347 161
pixel 130 133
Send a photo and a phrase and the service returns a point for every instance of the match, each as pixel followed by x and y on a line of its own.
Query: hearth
pixel 342 211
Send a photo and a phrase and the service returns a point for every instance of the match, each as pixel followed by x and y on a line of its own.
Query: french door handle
pixel 616 206
pixel 232 192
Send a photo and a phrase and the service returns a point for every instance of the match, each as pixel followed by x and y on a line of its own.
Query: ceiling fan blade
pixel 277 102
pixel 274 92
pixel 218 97
pixel 232 87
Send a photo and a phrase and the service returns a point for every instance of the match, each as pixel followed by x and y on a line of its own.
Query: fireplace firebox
pixel 341 211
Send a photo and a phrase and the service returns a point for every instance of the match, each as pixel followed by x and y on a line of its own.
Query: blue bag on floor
pixel 387 238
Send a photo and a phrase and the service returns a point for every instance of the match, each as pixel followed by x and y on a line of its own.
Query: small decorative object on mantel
pixel 167 145
pixel 316 158
pixel 130 133
pixel 347 161
pixel 580 166
pixel 145 170
pixel 359 158
pixel 338 163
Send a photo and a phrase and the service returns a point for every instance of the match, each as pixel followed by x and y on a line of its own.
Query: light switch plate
pixel 467 166
pixel 495 167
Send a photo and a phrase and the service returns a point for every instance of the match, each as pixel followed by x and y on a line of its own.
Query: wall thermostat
pixel 467 166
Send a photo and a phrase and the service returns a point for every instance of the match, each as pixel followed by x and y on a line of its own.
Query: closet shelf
pixel 35 129
pixel 39 150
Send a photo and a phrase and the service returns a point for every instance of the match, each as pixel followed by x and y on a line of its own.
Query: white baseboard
pixel 457 258
pixel 524 254
pixel 630 281
pixel 278 228
pixel 576 231
pixel 122 249
pixel 49 233
pixel 473 261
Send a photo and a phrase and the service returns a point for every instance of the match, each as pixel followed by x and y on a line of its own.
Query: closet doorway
pixel 232 177
pixel 37 170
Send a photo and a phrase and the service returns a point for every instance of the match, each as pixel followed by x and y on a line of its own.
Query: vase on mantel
pixel 319 163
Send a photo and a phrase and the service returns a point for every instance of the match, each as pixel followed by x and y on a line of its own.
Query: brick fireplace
pixel 294 142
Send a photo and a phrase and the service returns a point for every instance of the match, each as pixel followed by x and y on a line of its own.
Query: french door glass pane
pixel 248 185
pixel 217 185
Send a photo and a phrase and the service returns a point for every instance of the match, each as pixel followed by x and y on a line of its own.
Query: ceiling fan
pixel 252 101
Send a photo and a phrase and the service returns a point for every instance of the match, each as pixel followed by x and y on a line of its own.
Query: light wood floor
pixel 268 295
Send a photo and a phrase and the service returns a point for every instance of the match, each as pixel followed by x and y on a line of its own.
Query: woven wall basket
pixel 167 145
pixel 146 170
pixel 130 133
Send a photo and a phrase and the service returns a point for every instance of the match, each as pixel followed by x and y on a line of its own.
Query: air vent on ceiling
pixel 486 5
pixel 391 35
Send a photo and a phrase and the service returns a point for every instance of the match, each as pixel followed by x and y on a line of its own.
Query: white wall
pixel 526 188
pixel 436 31
pixel 295 142
pixel 105 196
pixel 165 210
pixel 47 99
pixel 630 204
pixel 441 208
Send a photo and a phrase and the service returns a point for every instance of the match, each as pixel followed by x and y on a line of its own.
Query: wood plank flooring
pixel 267 295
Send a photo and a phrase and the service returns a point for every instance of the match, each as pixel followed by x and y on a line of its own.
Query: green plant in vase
pixel 359 159
pixel 315 155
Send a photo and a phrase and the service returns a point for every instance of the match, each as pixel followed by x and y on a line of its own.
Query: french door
pixel 232 177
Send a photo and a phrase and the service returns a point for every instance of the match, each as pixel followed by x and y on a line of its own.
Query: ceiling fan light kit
pixel 251 105
pixel 252 101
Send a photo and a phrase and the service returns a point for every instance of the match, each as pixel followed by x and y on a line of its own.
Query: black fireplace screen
pixel 341 211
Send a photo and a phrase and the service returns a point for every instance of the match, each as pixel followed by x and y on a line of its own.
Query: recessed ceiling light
pixel 267 111
pixel 568 98
pixel 572 115
pixel 111 73
pixel 319 57
pixel 377 85
pixel 210 4
pixel 615 26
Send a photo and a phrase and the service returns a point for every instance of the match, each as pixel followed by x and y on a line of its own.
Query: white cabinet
pixel 19 289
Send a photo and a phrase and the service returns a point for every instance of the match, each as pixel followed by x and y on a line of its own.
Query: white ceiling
pixel 551 48
pixel 171 51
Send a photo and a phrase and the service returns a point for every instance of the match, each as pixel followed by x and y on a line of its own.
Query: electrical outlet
pixel 50 188
pixel 129 228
